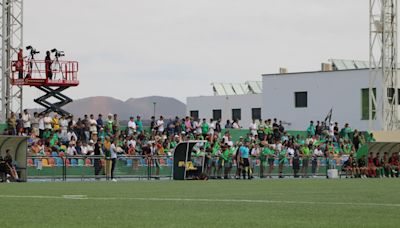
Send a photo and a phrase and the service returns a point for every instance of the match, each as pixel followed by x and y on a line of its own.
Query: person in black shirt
pixel 3 169
pixel 336 130
pixel 355 171
pixel 281 127
pixel 48 62
pixel 362 167
pixel 98 151
pixel 218 126
pixel 153 124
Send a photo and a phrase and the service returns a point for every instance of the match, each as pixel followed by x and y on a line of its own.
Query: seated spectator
pixel 394 165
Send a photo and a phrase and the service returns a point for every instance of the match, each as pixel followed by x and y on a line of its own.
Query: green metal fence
pixel 140 167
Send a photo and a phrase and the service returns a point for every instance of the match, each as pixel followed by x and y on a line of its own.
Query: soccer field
pixel 256 203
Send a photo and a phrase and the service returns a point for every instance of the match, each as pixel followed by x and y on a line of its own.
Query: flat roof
pixel 310 72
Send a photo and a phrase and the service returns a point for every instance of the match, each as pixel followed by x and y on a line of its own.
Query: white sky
pixel 176 48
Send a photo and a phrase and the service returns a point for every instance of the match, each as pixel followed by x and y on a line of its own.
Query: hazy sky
pixel 176 48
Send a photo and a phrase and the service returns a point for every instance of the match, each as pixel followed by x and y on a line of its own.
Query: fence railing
pixel 146 167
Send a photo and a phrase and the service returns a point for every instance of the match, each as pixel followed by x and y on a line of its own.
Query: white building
pixel 296 98
pixel 230 102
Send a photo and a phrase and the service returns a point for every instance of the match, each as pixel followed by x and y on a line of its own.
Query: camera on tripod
pixel 57 53
pixel 33 50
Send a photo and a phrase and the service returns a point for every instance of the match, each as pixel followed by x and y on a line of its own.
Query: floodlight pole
pixel 383 78
pixel 11 22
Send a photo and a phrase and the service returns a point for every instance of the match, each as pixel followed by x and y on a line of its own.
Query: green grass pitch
pixel 244 203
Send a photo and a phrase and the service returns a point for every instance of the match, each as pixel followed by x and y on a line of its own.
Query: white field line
pixel 84 197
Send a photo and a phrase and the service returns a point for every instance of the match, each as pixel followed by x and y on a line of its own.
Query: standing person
pixel 314 160
pixel 19 64
pixel 98 152
pixel 41 125
pixel 153 125
pixel 253 128
pixel 244 155
pixel 12 124
pixel 47 122
pixel 131 126
pixel 109 124
pixel 306 153
pixel 204 128
pixel 26 118
pixel 99 122
pixel 93 126
pixel 35 124
pixel 271 155
pixel 263 159
pixel 139 125
pixel 218 127
pixel 86 128
pixel 48 63
pixel 160 125
pixel 282 152
pixel 107 146
pixel 20 125
pixel 113 156
pixel 296 162
pixel 211 127
pixel 311 129
pixel 116 126
pixel 64 129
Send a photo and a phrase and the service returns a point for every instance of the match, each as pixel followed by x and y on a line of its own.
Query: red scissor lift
pixel 33 73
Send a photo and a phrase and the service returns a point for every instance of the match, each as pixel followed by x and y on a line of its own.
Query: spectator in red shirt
pixel 394 163
pixel 371 166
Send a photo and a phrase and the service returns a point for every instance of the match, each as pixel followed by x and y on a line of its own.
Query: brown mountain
pixel 166 106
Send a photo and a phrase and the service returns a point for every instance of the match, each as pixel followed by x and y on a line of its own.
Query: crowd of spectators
pixel 267 144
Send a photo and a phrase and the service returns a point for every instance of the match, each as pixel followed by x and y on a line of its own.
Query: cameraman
pixel 19 64
pixel 48 62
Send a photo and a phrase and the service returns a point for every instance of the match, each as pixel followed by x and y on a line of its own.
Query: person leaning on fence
pixel 296 162
pixel 113 159
pixel 107 154
pixel 306 154
pixel 244 158
pixel 98 151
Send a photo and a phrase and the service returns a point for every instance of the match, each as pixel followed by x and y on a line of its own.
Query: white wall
pixel 206 104
pixel 340 90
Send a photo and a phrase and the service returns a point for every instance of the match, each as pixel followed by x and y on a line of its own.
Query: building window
pixel 300 99
pixel 217 114
pixel 390 94
pixel 256 113
pixel 365 104
pixel 236 114
pixel 398 96
pixel 194 114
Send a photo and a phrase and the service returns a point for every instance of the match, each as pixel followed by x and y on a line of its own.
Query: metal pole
pixel 154 109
